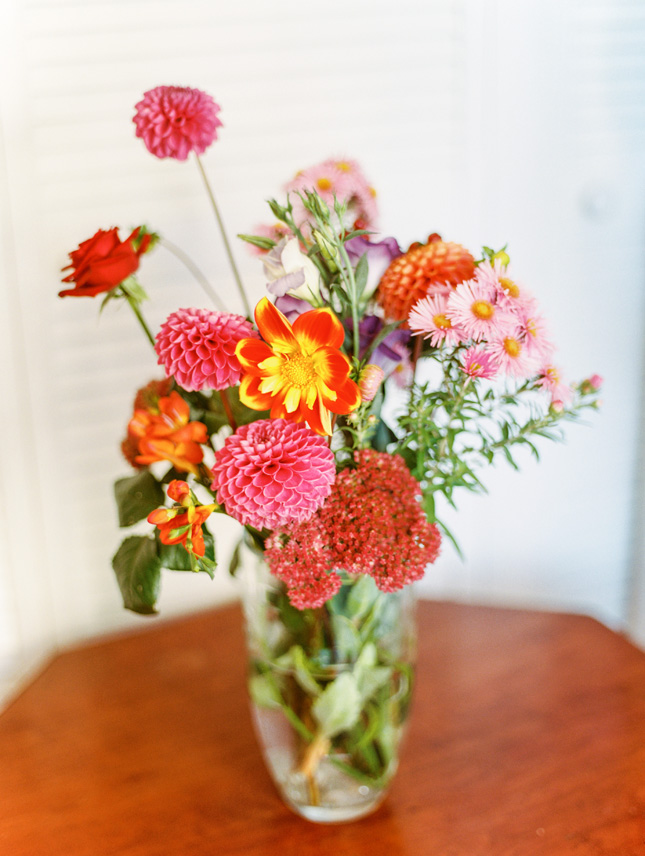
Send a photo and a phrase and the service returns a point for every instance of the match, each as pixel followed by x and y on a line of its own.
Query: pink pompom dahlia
pixel 197 348
pixel 174 121
pixel 273 472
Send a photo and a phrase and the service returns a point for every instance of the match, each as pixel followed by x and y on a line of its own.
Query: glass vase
pixel 330 691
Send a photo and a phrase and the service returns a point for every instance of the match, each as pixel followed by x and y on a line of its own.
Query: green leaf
pixel 134 290
pixel 264 692
pixel 360 274
pixel 303 669
pixel 347 640
pixel 361 597
pixel 339 706
pixel 234 564
pixel 136 496
pixel 138 571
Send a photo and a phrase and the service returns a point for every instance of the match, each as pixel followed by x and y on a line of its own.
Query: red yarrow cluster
pixel 372 523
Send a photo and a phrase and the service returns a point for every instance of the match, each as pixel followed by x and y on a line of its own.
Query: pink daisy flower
pixel 340 178
pixel 428 316
pixel 472 307
pixel 509 294
pixel 512 357
pixel 173 121
pixel 273 472
pixel 532 332
pixel 477 362
pixel 197 348
pixel 550 379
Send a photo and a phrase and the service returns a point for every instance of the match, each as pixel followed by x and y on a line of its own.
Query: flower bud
pixel 317 206
pixel 329 251
pixel 369 381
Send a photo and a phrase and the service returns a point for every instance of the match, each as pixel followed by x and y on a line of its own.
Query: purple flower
pixel 379 256
pixel 291 307
pixel 389 353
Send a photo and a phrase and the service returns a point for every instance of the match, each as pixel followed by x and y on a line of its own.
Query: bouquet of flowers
pixel 368 381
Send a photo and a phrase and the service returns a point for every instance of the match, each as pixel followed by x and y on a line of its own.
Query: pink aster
pixel 509 293
pixel 173 121
pixel 477 362
pixel 472 307
pixel 341 178
pixel 533 333
pixel 512 357
pixel 197 348
pixel 428 317
pixel 550 379
pixel 273 472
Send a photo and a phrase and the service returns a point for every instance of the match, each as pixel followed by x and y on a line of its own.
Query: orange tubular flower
pixel 168 435
pixel 182 524
pixel 298 372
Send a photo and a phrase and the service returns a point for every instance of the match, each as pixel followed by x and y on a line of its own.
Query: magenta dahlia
pixel 197 347
pixel 174 121
pixel 273 472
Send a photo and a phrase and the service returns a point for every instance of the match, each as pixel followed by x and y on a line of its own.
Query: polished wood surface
pixel 527 737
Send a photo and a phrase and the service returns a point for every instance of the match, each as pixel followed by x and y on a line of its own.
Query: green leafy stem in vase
pixel 342 676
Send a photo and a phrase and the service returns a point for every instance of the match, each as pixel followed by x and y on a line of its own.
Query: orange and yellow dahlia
pixel 298 372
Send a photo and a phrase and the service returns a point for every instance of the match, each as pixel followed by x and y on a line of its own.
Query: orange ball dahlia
pixel 424 269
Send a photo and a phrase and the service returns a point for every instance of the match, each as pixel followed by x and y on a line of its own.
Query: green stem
pixel 228 409
pixel 349 274
pixel 227 246
pixel 140 318
pixel 192 267
pixel 441 451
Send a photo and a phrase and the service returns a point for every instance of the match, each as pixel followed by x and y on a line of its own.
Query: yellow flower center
pixel 299 371
pixel 442 322
pixel 512 347
pixel 343 166
pixel 323 184
pixel 531 327
pixel 372 192
pixel 483 310
pixel 510 287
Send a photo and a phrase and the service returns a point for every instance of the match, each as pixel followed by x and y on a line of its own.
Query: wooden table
pixel 527 737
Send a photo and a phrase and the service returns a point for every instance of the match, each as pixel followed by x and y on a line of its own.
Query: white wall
pixel 487 121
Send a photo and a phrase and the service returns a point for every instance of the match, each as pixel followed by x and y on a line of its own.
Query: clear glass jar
pixel 330 691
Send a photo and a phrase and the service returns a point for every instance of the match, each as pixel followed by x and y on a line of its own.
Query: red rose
pixel 103 262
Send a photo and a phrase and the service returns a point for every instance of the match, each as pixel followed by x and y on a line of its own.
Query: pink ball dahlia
pixel 174 121
pixel 273 472
pixel 197 348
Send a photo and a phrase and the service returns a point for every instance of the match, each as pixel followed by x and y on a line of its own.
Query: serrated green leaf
pixel 338 708
pixel 136 496
pixel 138 571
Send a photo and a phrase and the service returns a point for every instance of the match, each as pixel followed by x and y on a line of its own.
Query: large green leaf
pixel 138 571
pixel 136 496
pixel 339 706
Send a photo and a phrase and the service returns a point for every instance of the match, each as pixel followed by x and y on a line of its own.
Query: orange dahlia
pixel 424 269
pixel 298 371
